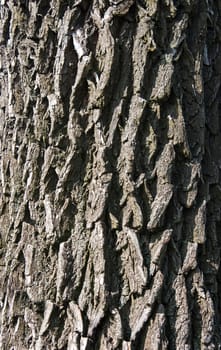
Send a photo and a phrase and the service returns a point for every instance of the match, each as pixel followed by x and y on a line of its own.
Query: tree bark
pixel 110 174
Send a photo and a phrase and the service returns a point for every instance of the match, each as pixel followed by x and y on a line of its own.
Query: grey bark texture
pixel 110 187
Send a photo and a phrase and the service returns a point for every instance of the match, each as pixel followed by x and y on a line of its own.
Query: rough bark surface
pixel 110 174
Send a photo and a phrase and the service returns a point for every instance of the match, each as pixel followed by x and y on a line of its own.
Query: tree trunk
pixel 110 174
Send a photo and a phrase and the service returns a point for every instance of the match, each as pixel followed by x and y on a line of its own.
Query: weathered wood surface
pixel 110 183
